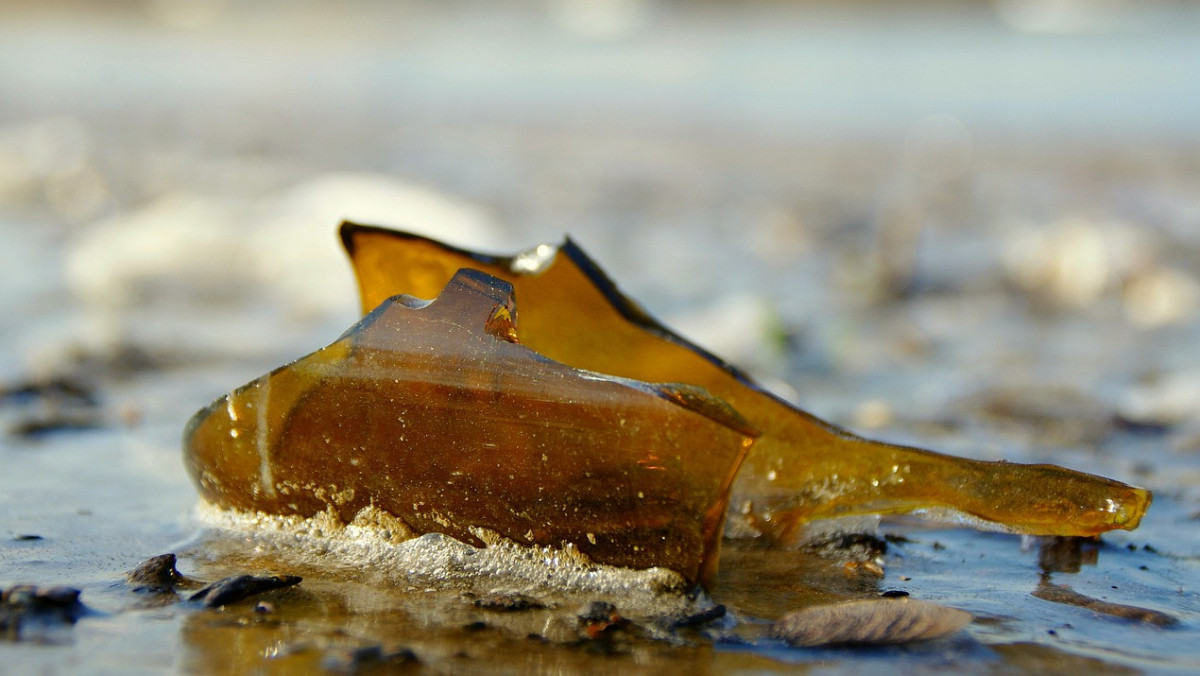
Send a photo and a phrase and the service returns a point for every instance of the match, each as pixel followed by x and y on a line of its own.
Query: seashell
pixel 434 412
pixel 801 468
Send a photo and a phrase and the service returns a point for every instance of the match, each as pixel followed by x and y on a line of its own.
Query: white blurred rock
pixel 600 19
pixel 205 274
pixel 182 244
pixel 191 248
pixel 1073 262
pixel 1168 400
pixel 297 242
pixel 42 150
pixel 377 199
pixel 1161 296
pixel 938 147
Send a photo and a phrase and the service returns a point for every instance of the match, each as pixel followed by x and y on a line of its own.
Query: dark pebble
pixel 26 602
pixel 478 625
pixel 1141 427
pixel 894 593
pixel 598 617
pixel 156 574
pixel 355 660
pixel 35 426
pixel 599 611
pixel 849 546
pixel 703 617
pixel 238 587
pixel 61 390
pixel 508 602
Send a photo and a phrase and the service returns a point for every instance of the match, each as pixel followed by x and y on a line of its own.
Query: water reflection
pixel 1067 554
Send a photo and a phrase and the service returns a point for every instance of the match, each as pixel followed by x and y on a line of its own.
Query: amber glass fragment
pixel 431 411
pixel 801 468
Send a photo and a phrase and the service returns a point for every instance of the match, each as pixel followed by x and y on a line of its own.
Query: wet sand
pixel 943 225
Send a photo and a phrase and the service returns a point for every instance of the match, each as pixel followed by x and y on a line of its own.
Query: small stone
pixel 369 657
pixel 21 604
pixel 478 625
pixel 598 617
pixel 156 574
pixel 508 602
pixel 857 547
pixel 703 617
pixel 238 587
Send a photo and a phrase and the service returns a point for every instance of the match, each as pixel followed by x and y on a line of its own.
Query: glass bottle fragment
pixel 434 412
pixel 802 468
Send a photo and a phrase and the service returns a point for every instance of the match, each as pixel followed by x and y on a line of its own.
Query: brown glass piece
pixel 433 412
pixel 802 468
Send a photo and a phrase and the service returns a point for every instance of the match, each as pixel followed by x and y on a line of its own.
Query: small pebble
pixel 370 657
pixel 238 587
pixel 156 574
pixel 703 617
pixel 598 617
pixel 24 603
pixel 508 602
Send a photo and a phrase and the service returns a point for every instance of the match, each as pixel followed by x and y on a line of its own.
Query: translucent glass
pixel 435 413
pixel 801 468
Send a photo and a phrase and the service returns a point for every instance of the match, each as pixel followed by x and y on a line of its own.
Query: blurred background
pixel 764 175
pixel 971 225
pixel 158 151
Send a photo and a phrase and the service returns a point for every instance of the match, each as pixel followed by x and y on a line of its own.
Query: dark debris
pixel 63 390
pixel 37 425
pixel 598 618
pixel 859 547
pixel 369 658
pixel 701 618
pixel 25 603
pixel 156 575
pixel 239 587
pixel 502 602
pixel 51 405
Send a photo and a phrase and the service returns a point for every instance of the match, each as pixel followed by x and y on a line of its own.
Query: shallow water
pixel 889 251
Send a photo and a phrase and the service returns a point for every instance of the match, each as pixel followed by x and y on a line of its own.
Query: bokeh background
pixel 967 225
